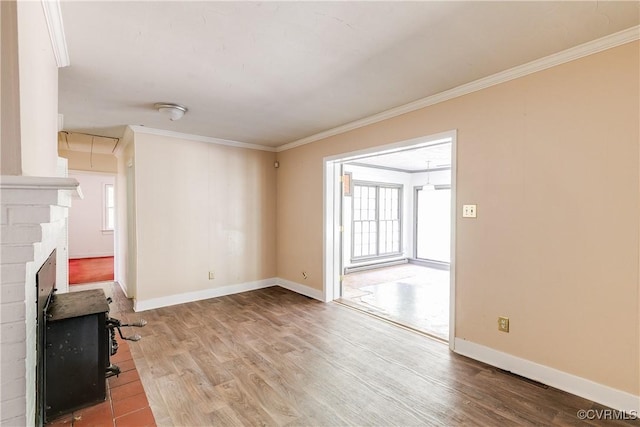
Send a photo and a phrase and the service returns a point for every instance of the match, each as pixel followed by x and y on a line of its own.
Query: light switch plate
pixel 503 324
pixel 469 211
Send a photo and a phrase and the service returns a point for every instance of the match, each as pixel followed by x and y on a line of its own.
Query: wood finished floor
pixel 90 270
pixel 273 357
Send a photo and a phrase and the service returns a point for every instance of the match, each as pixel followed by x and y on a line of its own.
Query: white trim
pixel 53 15
pixel 23 182
pixel 127 137
pixel 123 286
pixel 149 304
pixel 600 393
pixel 331 241
pixel 576 52
pixel 418 142
pixel 199 138
pixel 90 255
pixel 167 301
pixel 300 289
pixel 83 172
pixel 452 242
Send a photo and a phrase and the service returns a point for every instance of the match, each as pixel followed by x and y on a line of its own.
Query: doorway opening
pixel 389 232
pixel 91 228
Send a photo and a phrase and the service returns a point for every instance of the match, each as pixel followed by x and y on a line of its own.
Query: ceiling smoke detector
pixel 172 111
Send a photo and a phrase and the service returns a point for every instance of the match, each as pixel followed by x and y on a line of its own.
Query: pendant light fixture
pixel 428 186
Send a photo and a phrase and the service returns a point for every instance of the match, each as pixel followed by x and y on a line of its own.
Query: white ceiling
pixel 274 72
pixel 411 159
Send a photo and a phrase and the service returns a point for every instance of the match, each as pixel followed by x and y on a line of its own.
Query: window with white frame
pixel 109 207
pixel 376 220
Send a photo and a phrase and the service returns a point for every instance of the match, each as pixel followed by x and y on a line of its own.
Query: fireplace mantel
pixel 17 182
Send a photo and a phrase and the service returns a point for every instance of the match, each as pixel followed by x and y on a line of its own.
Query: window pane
pixel 109 207
pixel 110 218
pixel 376 224
pixel 110 198
pixel 434 225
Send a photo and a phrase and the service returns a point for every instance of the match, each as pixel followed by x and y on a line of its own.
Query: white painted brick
pixel 12 332
pixel 12 292
pixel 58 213
pixel 12 370
pixel 12 312
pixel 29 197
pixel 13 273
pixel 4 214
pixel 11 409
pixel 18 421
pixel 29 214
pixel 64 198
pixel 26 214
pixel 13 389
pixel 11 254
pixel 37 250
pixel 27 233
pixel 14 351
pixel 48 229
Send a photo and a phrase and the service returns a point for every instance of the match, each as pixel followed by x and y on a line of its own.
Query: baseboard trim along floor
pixel 605 395
pixel 149 304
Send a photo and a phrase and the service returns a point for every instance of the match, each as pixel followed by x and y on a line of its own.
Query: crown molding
pixel 571 54
pixel 53 15
pixel 199 138
pixel 127 137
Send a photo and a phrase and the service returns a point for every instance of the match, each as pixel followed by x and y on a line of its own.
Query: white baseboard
pixel 605 395
pixel 124 288
pixel 149 304
pixel 92 255
pixel 300 289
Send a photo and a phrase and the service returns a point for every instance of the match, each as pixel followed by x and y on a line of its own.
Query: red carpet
pixel 88 270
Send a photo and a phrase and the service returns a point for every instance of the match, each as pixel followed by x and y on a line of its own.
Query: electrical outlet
pixel 503 324
pixel 469 211
pixel 212 275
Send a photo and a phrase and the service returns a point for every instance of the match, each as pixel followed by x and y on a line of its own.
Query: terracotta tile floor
pixel 126 403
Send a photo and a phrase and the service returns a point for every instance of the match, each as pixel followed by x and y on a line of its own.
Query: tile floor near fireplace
pixel 126 403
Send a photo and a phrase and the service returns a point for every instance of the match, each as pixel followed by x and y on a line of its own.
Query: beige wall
pixel 552 161
pixel 85 161
pixel 38 92
pixel 202 207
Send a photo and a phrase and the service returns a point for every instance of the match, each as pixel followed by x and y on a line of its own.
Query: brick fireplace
pixel 34 214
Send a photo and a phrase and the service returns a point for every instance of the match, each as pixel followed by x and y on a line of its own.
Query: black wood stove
pixel 76 338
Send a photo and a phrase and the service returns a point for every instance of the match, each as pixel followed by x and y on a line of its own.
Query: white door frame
pixel 332 262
